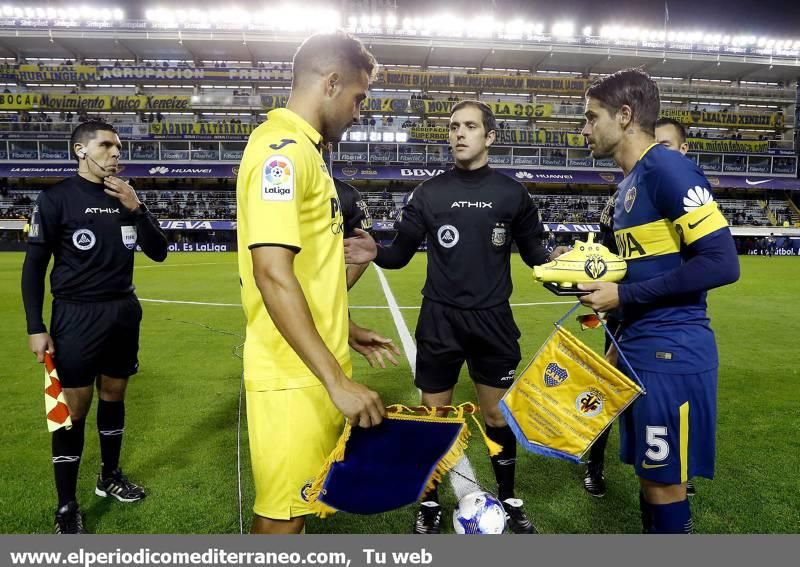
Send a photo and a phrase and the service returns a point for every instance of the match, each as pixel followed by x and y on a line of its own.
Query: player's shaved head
pixel 336 52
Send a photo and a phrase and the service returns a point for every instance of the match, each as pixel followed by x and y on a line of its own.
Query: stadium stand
pixel 184 120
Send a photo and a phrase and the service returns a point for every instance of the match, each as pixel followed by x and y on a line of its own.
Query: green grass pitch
pixel 181 431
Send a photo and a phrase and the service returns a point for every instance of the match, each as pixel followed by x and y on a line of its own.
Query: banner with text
pixel 518 137
pixel 728 146
pixel 508 109
pixel 200 131
pixel 94 74
pixel 730 119
pixel 93 103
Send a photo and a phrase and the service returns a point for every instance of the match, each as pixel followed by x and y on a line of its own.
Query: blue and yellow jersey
pixel 663 208
pixel 285 197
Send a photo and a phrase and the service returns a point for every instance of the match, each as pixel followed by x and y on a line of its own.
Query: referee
pixel 470 215
pixel 91 223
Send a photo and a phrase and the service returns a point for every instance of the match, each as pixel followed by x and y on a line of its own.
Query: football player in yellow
pixel 297 367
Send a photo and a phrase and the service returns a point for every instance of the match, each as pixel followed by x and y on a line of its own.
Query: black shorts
pixel 95 338
pixel 487 339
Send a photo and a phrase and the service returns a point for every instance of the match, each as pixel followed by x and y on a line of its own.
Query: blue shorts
pixel 669 434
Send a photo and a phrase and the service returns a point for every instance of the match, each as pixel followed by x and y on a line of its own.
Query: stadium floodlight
pixel 117 14
pixel 352 22
pixel 563 29
pixel 375 20
pixel 364 21
pixel 391 21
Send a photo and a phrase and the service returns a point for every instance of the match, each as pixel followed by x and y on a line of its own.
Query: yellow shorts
pixel 291 432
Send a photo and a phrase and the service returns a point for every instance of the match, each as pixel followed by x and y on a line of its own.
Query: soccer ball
pixel 479 513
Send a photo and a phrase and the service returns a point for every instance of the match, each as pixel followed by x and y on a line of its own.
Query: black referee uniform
pixel 95 317
pixel 470 219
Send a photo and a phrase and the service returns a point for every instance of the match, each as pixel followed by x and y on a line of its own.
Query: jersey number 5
pixel 659 448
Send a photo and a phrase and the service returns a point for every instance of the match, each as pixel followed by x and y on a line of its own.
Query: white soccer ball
pixel 479 513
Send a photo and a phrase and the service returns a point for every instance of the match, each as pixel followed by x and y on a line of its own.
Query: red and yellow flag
pixel 55 406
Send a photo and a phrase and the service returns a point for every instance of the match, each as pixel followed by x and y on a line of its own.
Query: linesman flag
pixel 566 397
pixel 393 464
pixel 55 406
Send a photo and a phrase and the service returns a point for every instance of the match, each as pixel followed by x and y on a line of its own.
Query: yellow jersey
pixel 286 197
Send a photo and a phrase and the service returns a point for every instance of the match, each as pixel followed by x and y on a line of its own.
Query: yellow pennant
pixel 566 397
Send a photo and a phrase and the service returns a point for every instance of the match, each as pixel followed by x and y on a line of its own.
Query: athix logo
pixel 100 211
pixel 470 205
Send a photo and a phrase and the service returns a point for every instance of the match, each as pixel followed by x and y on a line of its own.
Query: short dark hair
pixel 487 116
pixel 667 121
pixel 633 87
pixel 86 131
pixel 318 52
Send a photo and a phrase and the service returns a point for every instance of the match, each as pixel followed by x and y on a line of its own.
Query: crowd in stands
pixel 176 203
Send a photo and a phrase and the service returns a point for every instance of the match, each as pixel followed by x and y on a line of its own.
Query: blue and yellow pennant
pixel 389 466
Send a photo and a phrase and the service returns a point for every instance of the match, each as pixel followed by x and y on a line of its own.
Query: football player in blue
pixel 678 246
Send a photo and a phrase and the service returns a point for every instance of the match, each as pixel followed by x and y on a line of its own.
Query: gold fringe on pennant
pixel 316 489
pixel 449 460
pixel 494 448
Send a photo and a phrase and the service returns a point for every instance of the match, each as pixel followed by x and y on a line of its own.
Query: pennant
pixel 55 406
pixel 394 464
pixel 566 397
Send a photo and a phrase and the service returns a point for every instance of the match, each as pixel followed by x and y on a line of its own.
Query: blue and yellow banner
pixel 730 119
pixel 93 103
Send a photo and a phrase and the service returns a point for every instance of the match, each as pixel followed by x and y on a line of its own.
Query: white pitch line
pixel 405 336
pixel 463 479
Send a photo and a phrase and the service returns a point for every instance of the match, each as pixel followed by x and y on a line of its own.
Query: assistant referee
pixel 91 223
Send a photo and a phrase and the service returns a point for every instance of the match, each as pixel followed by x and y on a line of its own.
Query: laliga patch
pixel 129 236
pixel 83 239
pixel 277 183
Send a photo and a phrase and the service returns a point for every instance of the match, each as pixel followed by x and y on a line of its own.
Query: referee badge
pixel 83 239
pixel 129 236
pixel 499 235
